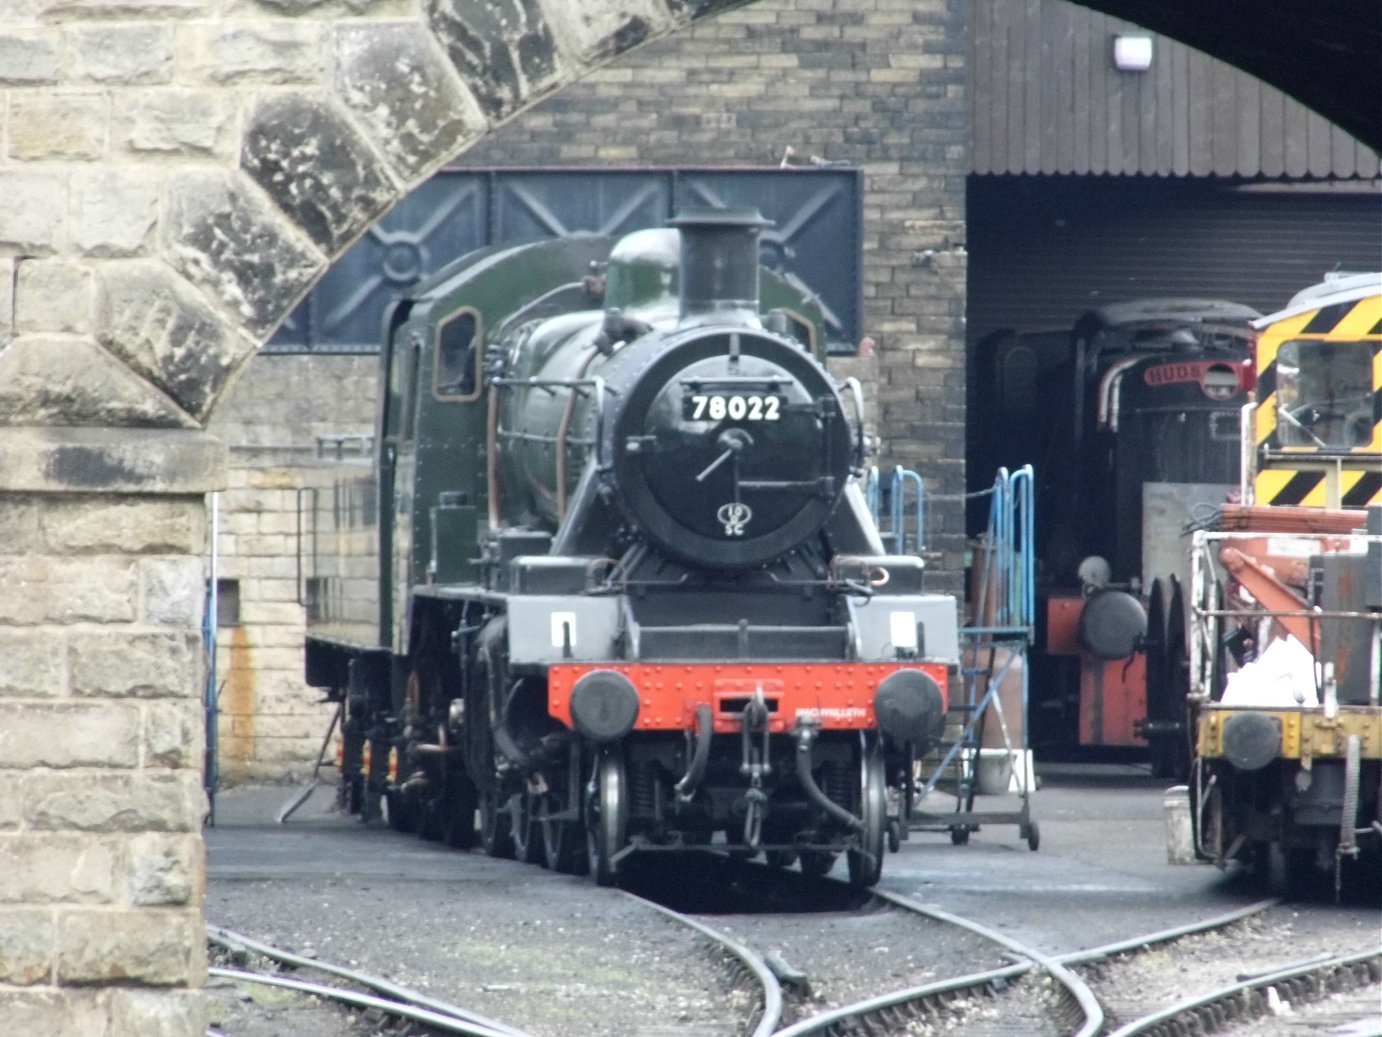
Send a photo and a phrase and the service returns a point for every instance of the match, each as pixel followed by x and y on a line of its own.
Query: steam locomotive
pixel 1145 443
pixel 610 582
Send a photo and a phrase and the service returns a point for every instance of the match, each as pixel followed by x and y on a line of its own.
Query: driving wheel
pixel 866 863
pixel 606 817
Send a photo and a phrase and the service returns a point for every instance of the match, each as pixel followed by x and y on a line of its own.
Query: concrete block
pixel 226 239
pixel 153 320
pixel 411 104
pixel 109 459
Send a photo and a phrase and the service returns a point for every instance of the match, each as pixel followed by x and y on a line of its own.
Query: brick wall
pixel 879 84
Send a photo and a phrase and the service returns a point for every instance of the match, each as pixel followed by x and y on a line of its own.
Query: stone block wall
pixel 101 731
pixel 270 723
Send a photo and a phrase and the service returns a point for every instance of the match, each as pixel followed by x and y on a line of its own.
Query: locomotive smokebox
pixel 719 263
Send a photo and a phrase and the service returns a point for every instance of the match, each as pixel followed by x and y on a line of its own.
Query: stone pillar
pixel 103 538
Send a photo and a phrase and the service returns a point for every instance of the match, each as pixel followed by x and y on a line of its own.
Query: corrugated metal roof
pixel 1045 97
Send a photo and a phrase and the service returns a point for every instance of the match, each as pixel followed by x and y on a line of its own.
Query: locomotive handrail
pixel 860 445
pixel 302 493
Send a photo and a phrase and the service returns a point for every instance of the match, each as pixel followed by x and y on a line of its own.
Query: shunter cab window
pixel 458 356
pixel 1324 394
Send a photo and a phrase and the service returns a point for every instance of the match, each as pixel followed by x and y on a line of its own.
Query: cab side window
pixel 458 356
pixel 1324 394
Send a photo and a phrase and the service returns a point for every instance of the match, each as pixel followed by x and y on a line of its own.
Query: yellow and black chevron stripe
pixel 1311 489
pixel 1308 476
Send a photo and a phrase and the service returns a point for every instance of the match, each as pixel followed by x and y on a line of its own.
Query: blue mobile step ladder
pixel 993 651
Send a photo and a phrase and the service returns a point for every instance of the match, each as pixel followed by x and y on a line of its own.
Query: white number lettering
pixel 699 403
pixel 755 408
pixel 737 407
pixel 717 408
pixel 774 405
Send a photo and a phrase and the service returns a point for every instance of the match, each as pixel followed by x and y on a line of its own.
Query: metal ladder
pixel 993 647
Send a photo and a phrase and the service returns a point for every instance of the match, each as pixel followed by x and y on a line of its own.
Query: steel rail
pixel 231 940
pixel 771 1015
pixel 1074 986
pixel 1252 994
pixel 436 1020
pixel 992 980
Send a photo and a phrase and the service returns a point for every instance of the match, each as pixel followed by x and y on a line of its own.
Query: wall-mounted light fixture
pixel 1132 53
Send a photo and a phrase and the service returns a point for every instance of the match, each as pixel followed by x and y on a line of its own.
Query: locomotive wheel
pixel 496 830
pixel 458 811
pixel 817 862
pixel 866 863
pixel 527 830
pixel 402 810
pixel 1178 683
pixel 606 822
pixel 563 842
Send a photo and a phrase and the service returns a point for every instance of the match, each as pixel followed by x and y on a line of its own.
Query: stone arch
pixel 215 170
pixel 174 175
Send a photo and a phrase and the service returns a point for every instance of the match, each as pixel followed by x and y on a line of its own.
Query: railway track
pixel 350 989
pixel 999 986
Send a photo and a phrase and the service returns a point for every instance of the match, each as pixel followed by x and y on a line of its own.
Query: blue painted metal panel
pixel 816 236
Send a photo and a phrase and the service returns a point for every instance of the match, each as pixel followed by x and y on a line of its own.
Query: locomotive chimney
pixel 719 262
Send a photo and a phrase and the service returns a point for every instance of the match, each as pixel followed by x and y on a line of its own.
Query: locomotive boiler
pixel 610 585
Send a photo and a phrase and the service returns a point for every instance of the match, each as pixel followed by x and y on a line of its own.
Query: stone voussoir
pixel 410 102
pixel 154 321
pixel 315 166
pixel 228 240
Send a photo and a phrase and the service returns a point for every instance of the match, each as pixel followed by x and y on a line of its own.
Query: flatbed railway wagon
pixel 1285 707
pixel 610 582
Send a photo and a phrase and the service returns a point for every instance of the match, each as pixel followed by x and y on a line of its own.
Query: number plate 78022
pixel 734 406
